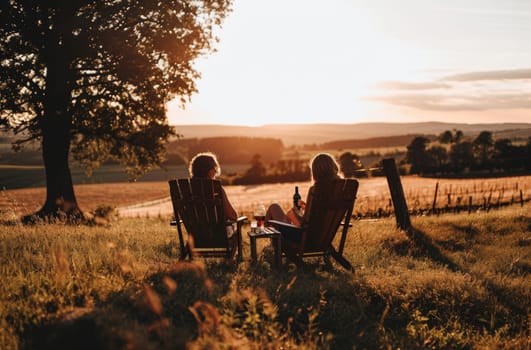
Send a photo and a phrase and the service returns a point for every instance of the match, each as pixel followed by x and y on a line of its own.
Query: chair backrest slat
pixel 331 201
pixel 217 212
pixel 198 195
pixel 199 204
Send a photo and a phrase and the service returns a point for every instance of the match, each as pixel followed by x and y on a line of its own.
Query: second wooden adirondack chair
pixel 198 208
pixel 330 208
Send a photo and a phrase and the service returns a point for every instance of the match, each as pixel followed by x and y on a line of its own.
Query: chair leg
pixel 240 249
pixel 185 251
pixel 232 248
pixel 327 262
pixel 341 260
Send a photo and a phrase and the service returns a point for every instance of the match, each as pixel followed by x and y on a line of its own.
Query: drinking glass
pixel 259 216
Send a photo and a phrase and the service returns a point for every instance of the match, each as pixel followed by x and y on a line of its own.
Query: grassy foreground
pixel 462 282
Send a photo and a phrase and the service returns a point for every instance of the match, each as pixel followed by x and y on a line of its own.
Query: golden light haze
pixel 362 61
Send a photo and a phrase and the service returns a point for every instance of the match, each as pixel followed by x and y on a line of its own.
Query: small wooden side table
pixel 274 235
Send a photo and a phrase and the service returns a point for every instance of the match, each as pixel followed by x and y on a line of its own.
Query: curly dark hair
pixel 202 163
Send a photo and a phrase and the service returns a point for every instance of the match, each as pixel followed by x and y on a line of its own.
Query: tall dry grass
pixel 455 281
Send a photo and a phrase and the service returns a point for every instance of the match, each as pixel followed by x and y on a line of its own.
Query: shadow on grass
pixel 502 293
pixel 428 248
pixel 166 311
pixel 173 307
pixel 327 304
pixel 320 304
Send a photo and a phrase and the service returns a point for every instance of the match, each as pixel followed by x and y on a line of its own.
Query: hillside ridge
pixel 299 134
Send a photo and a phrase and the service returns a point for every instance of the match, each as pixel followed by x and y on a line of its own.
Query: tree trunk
pixel 60 200
pixel 56 124
pixel 60 197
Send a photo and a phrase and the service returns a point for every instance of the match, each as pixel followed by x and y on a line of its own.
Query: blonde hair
pixel 324 167
pixel 202 163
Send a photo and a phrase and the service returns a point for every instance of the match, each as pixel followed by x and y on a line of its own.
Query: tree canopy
pixel 483 153
pixel 92 78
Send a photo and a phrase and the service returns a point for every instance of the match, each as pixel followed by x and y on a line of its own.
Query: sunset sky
pixel 351 61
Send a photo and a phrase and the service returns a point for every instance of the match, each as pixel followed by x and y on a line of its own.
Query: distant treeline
pixel 453 154
pixel 238 150
pixel 373 142
pixel 283 170
pixel 229 150
pixel 449 154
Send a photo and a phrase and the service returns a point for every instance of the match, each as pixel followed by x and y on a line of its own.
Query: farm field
pixel 152 198
pixel 15 176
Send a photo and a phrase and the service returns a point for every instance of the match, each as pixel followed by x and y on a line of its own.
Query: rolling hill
pixel 24 169
pixel 299 134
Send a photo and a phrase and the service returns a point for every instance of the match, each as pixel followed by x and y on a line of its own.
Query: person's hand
pixel 302 204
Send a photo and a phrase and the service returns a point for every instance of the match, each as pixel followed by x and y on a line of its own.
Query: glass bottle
pixel 296 198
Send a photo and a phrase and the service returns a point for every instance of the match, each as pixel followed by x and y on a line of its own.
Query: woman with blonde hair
pixel 323 168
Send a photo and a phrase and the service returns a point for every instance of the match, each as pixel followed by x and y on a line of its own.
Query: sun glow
pixel 309 62
pixel 313 67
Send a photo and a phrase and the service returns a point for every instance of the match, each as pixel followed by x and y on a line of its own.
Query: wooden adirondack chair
pixel 330 205
pixel 197 205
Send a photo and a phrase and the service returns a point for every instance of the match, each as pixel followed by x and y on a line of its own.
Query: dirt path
pixel 244 199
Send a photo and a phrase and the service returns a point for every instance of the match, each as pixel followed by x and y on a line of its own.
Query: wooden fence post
pixel 434 205
pixel 397 193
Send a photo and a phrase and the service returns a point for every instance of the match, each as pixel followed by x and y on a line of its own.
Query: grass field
pixel 454 282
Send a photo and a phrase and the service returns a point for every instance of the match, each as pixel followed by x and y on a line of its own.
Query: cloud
pixel 499 89
pixel 435 102
pixel 402 85
pixel 511 74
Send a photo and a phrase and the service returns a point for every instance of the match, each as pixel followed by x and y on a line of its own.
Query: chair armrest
pixel 241 219
pixel 276 223
pixel 285 228
pixel 293 237
pixel 238 220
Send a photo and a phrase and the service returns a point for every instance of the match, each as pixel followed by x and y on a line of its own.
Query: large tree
pixel 483 149
pixel 417 155
pixel 91 79
pixel 350 164
pixel 461 156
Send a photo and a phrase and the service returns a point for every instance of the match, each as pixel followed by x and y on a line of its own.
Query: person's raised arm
pixel 298 216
